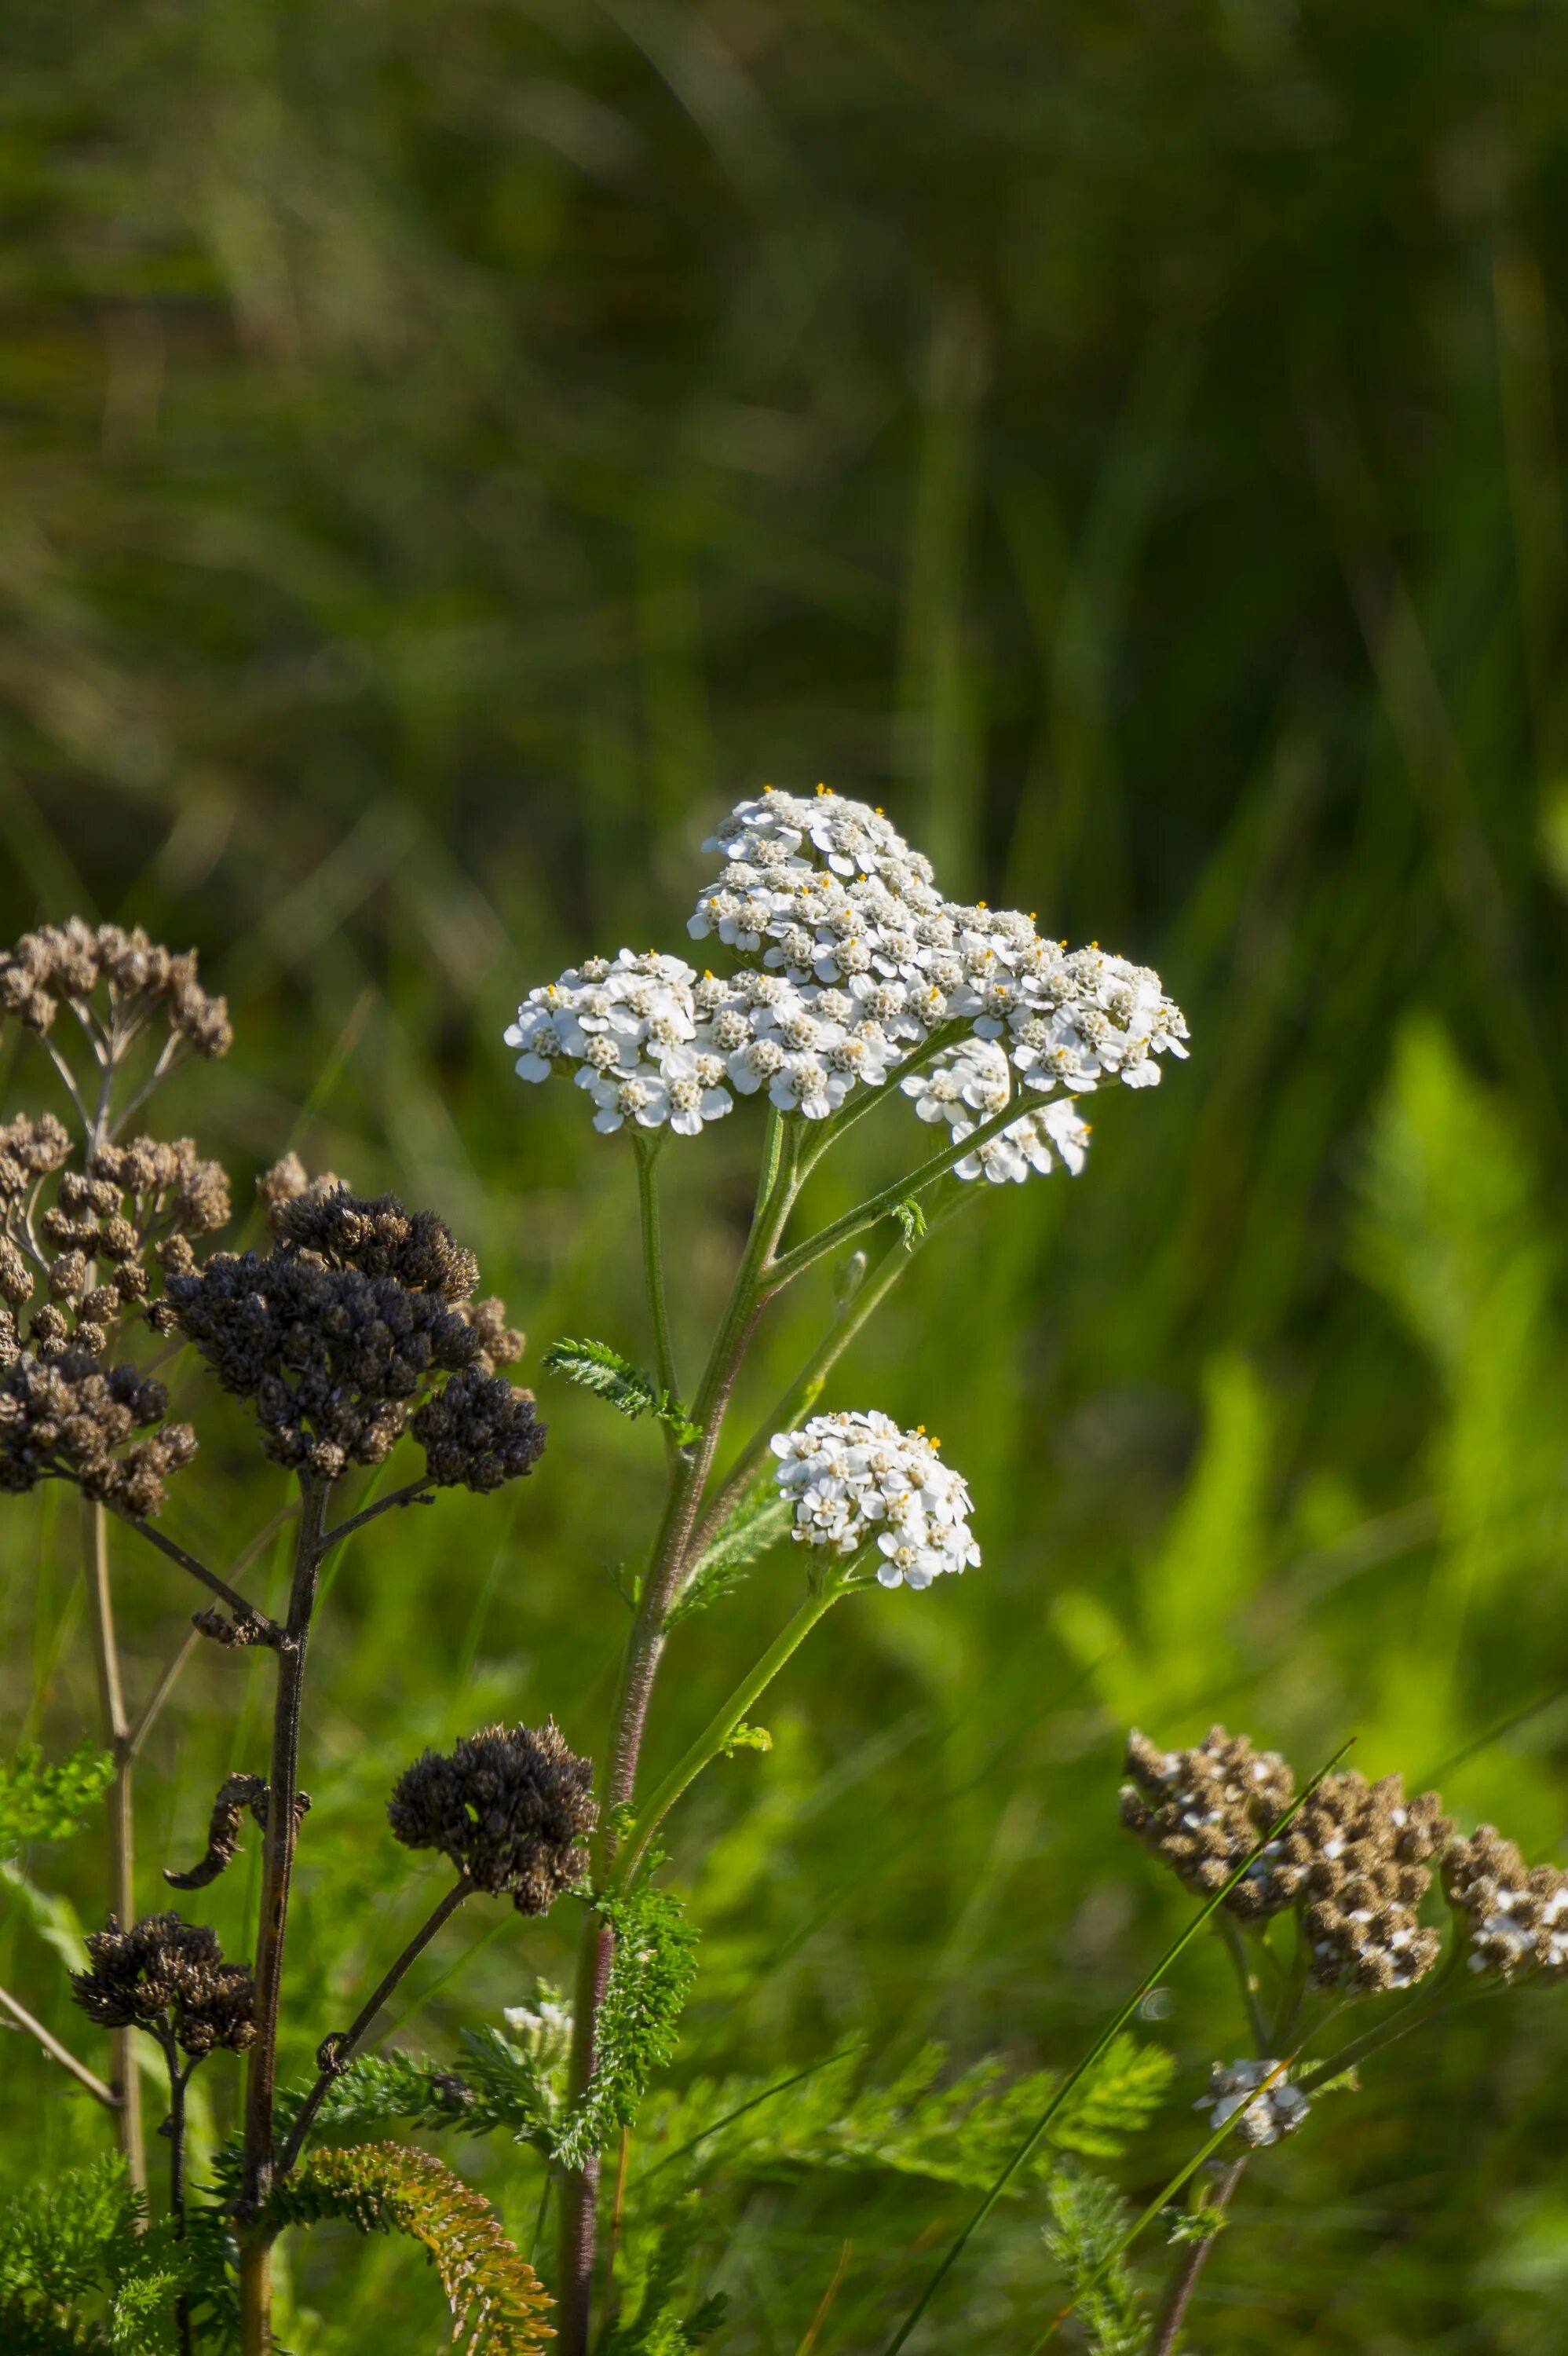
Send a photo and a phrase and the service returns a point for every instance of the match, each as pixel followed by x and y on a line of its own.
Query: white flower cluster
pixel 852 959
pixel 543 2030
pixel 857 1478
pixel 1234 2094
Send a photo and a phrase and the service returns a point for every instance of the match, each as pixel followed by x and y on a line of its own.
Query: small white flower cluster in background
pixel 543 2030
pixel 1234 2093
pixel 855 1478
pixel 851 959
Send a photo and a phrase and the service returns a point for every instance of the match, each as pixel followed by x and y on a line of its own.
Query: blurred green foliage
pixel 449 454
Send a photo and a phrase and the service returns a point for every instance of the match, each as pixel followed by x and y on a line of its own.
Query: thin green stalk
pixel 715 1734
pixel 798 1400
pixel 1236 1947
pixel 825 1134
pixel 646 1151
pixel 877 1206
pixel 1162 2200
pixel 1075 2076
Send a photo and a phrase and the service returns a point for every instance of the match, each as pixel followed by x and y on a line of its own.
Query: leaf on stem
pixel 752 1530
pixel 748 1738
pixel 910 1220
pixel 651 1976
pixel 599 1368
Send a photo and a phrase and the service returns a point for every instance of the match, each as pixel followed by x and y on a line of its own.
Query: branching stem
pixel 646 1152
pixel 343 2047
pixel 412 1493
pixel 120 1800
pixel 1189 2265
pixel 267 1632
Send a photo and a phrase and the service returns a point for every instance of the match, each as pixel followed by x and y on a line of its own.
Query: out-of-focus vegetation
pixel 448 453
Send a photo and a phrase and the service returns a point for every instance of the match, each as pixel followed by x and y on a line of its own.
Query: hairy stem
pixel 1189 2265
pixel 343 2047
pixel 16 2011
pixel 715 1734
pixel 278 1851
pixel 121 1815
pixel 690 1468
pixel 646 1152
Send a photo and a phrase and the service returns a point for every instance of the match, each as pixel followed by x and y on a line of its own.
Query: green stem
pixel 1236 1943
pixel 1190 2265
pixel 646 1152
pixel 121 1815
pixel 797 1401
pixel 715 1734
pixel 825 1134
pixel 690 1468
pixel 866 1215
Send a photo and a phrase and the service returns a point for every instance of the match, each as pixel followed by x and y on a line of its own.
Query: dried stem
pixel 278 1851
pixel 158 1699
pixel 267 1632
pixel 343 2047
pixel 1189 2265
pixel 110 2100
pixel 175 2129
pixel 120 1801
pixel 412 1493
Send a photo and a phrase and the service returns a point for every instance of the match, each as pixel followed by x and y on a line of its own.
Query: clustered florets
pixel 510 1807
pixel 73 1418
pixel 854 1479
pixel 91 1250
pixel 1356 1860
pixel 1516 1915
pixel 168 1977
pixel 1203 1811
pixel 1236 2092
pixel 861 960
pixel 338 1335
pixel 66 963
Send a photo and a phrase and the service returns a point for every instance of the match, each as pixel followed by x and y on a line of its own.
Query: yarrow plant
pixel 842 979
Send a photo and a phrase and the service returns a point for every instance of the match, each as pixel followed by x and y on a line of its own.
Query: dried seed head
pixel 69 963
pixel 72 1418
pixel 345 1327
pixel 511 1808
pixel 1360 1854
pixel 1203 1810
pixel 1515 1916
pixel 168 1977
pixel 477 1431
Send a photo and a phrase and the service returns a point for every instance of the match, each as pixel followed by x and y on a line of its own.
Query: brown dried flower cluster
pixel 73 1418
pixel 346 1325
pixel 1356 1858
pixel 1516 1915
pixel 511 1808
pixel 93 1250
pixel 1360 1854
pixel 1203 1810
pixel 65 964
pixel 168 1977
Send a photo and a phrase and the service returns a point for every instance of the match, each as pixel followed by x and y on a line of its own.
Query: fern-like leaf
pixel 609 1374
pixel 651 1974
pixel 757 1524
pixel 1092 2220
pixel 652 2322
pixel 498 2302
pixel 41 1802
pixel 951 2129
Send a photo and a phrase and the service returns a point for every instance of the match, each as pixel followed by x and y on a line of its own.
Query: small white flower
pixel 1261 2118
pixel 640 1095
pixel 854 1478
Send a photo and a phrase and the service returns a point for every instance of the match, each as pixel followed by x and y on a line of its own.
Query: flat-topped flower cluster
pixel 855 1480
pixel 851 962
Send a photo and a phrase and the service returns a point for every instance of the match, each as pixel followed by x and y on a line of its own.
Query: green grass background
pixel 447 455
